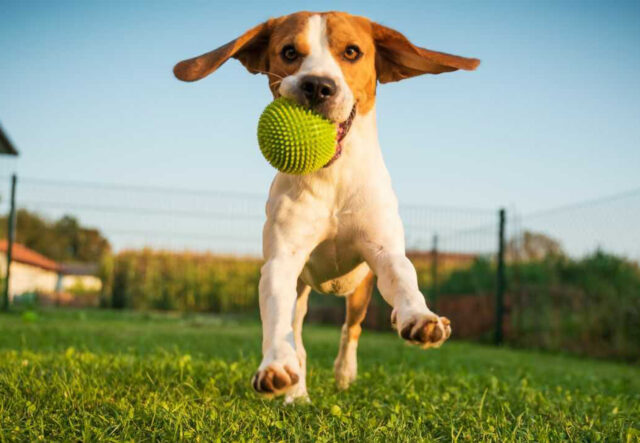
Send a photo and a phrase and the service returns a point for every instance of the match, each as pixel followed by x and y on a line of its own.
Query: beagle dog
pixel 338 229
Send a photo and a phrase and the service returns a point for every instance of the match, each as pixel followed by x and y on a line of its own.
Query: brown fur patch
pixel 287 30
pixel 344 30
pixel 357 304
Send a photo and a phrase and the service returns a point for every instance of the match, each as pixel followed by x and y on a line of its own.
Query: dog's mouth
pixel 343 130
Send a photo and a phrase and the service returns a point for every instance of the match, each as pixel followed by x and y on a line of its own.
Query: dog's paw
pixel 274 379
pixel 279 372
pixel 424 330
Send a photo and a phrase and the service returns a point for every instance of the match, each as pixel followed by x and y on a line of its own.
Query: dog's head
pixel 327 61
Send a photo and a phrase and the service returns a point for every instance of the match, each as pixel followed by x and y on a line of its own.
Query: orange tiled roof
pixel 22 254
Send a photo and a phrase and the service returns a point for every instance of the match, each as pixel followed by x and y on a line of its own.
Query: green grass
pixel 106 376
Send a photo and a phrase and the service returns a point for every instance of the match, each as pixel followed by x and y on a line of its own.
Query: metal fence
pixel 223 222
pixel 489 292
pixel 610 223
pixel 574 280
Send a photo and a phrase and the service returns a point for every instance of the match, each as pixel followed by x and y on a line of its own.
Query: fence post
pixel 500 280
pixel 434 271
pixel 10 237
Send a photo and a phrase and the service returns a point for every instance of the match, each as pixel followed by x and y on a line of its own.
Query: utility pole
pixel 500 280
pixel 434 271
pixel 10 237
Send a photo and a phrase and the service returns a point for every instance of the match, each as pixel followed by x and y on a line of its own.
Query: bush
pixel 589 306
pixel 180 281
pixel 479 278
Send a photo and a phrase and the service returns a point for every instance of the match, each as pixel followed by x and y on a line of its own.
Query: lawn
pixel 122 376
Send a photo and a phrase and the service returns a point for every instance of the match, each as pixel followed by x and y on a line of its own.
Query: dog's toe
pixel 273 380
pixel 426 331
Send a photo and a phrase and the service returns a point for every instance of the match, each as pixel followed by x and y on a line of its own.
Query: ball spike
pixel 294 139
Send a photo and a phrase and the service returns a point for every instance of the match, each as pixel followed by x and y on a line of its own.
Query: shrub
pixel 479 278
pixel 589 306
pixel 150 279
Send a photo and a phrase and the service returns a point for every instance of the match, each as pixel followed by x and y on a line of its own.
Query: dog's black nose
pixel 317 89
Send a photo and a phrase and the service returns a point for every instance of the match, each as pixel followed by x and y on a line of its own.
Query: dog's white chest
pixel 334 268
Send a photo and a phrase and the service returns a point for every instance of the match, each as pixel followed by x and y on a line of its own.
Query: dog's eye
pixel 289 53
pixel 352 53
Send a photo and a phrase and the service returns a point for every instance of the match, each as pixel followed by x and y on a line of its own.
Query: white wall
pixel 27 278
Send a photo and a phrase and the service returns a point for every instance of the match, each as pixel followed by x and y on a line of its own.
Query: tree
pixel 533 246
pixel 61 240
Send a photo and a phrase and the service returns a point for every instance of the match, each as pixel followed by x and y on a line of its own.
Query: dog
pixel 335 230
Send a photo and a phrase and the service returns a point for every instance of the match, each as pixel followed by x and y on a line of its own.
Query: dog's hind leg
pixel 299 392
pixel 346 363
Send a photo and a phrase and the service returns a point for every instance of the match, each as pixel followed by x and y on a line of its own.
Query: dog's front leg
pixel 287 244
pixel 398 284
pixel 280 369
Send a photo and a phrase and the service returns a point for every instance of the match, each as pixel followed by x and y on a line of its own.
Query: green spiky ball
pixel 294 139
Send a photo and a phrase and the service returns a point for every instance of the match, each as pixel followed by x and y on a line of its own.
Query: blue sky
pixel 551 116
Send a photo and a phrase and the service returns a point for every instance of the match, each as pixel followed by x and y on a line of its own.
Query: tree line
pixel 62 240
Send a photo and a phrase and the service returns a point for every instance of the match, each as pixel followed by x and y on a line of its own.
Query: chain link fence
pixel 574 280
pixel 570 273
pixel 133 217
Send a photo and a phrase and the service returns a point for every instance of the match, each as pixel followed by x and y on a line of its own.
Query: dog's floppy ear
pixel 250 48
pixel 397 58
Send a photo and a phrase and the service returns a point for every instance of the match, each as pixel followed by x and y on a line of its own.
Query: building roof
pixel 22 254
pixel 79 268
pixel 6 147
